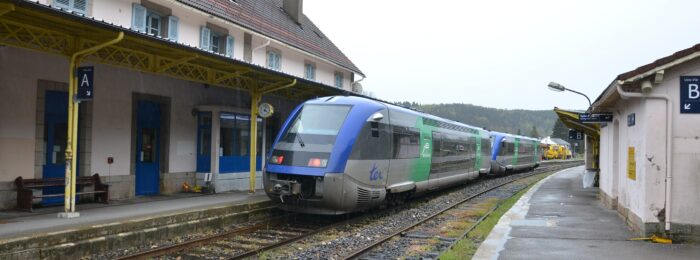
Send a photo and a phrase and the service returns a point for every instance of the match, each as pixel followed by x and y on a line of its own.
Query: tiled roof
pixel 268 18
pixel 660 62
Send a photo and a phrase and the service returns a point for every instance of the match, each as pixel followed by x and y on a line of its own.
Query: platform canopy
pixel 35 26
pixel 571 120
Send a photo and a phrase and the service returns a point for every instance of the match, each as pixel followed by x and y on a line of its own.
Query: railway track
pixel 370 250
pixel 252 240
pixel 242 242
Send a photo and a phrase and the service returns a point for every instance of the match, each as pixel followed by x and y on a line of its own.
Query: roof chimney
pixel 293 9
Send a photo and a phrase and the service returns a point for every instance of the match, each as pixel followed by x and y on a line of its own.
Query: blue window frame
pixel 234 144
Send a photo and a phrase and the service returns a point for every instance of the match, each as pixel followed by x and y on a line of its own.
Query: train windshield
pixel 310 137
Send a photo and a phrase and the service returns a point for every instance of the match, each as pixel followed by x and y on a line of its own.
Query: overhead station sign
pixel 592 118
pixel 690 94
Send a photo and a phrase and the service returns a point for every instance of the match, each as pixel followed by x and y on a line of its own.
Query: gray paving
pixel 565 221
pixel 48 222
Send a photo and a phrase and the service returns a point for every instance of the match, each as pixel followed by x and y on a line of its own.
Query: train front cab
pixel 306 171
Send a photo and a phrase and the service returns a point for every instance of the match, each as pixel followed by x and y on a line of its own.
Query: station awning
pixel 571 120
pixel 35 26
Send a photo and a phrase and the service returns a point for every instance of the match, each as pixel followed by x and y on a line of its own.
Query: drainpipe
pixel 262 46
pixel 669 142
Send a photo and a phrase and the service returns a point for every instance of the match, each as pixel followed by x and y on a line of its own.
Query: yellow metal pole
pixel 72 141
pixel 254 100
pixel 69 142
pixel 255 97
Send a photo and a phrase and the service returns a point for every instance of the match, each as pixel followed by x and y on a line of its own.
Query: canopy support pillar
pixel 71 141
pixel 255 97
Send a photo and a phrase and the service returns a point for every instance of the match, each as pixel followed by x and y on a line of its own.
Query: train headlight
pixel 317 162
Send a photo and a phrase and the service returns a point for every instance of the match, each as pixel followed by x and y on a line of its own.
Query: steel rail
pixel 205 240
pixel 361 251
pixel 281 220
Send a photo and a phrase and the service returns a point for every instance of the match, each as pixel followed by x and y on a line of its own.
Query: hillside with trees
pixel 536 123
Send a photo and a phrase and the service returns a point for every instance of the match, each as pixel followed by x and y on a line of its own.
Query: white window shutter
pixel 172 27
pixel 205 38
pixel 229 46
pixel 138 18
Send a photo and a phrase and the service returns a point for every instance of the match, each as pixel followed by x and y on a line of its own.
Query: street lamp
pixel 559 88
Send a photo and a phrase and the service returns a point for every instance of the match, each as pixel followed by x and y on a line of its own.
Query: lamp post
pixel 559 87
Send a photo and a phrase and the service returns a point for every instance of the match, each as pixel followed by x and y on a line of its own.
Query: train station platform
pixel 37 235
pixel 559 219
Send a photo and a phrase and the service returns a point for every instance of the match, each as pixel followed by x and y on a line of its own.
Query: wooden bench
pixel 26 187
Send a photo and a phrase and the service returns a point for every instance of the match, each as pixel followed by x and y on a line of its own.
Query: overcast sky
pixel 502 53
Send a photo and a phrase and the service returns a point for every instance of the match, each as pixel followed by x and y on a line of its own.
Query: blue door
pixel 147 148
pixel 55 134
pixel 204 142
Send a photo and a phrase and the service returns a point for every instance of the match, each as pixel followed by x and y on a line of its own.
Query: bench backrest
pixel 22 183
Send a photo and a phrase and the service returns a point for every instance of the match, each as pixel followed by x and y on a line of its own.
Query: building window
pixel 234 146
pixel 338 79
pixel 274 59
pixel 310 71
pixel 153 24
pixel 78 6
pixel 149 21
pixel 216 41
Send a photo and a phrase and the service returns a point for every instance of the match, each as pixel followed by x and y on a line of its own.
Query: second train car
pixel 341 154
pixel 511 153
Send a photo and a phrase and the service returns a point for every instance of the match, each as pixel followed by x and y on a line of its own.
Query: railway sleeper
pixel 266 235
pixel 252 241
pixel 229 245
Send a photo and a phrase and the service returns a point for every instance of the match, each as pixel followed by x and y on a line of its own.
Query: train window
pixel 373 142
pixel 375 128
pixel 406 142
pixel 451 154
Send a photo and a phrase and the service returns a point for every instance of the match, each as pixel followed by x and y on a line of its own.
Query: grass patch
pixel 465 248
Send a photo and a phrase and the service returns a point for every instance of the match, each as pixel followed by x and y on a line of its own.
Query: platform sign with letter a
pixel 85 83
pixel 690 94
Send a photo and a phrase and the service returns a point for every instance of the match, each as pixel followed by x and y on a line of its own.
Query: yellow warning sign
pixel 631 164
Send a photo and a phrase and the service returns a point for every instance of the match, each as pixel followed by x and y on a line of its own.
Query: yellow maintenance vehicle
pixel 555 151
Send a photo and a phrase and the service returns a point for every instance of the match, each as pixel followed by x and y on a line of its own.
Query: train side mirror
pixel 377 117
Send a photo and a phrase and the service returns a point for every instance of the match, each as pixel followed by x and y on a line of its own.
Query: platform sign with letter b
pixel 690 94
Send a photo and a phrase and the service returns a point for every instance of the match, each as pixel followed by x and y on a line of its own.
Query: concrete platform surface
pixel 559 219
pixel 16 224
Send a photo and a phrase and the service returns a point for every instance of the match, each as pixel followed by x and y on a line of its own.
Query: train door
pixel 55 133
pixel 437 161
pixel 148 148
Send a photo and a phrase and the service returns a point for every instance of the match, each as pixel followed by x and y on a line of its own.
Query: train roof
pixel 513 135
pixel 355 100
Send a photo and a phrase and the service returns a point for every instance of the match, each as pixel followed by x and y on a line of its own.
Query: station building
pixel 175 82
pixel 648 157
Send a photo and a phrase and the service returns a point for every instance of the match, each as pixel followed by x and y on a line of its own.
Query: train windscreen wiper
pixel 301 142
